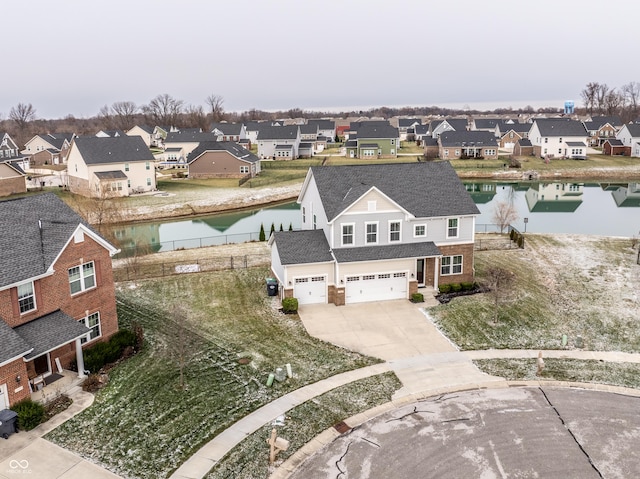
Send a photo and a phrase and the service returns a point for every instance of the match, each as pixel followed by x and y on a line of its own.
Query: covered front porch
pixel 56 384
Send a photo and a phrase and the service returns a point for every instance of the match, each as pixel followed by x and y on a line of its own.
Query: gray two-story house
pixel 376 232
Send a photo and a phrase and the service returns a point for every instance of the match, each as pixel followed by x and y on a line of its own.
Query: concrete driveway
pixel 400 333
pixel 385 329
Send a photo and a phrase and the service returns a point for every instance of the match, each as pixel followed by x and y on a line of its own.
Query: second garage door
pixel 310 290
pixel 376 287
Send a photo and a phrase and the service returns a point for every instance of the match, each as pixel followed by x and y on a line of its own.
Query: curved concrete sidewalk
pixel 429 375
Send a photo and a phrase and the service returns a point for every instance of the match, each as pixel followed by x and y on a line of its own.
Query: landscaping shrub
pixel 289 305
pixel 30 414
pixel 445 288
pixel 467 286
pixel 417 298
pixel 96 357
pixel 456 287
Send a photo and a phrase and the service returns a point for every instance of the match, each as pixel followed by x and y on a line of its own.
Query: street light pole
pixel 526 220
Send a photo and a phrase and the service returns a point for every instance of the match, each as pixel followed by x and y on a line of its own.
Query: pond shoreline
pixel 231 201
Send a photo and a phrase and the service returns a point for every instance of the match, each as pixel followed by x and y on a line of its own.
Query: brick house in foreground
pixel 376 232
pixel 56 292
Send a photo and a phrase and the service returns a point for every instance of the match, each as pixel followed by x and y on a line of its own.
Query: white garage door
pixel 310 290
pixel 376 287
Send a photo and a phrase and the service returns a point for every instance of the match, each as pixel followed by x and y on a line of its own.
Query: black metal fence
pixel 137 268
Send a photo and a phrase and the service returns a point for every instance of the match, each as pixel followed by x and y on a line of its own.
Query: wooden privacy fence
pixel 140 268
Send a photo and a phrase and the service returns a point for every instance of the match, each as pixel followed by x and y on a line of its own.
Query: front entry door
pixel 420 271
pixel 41 364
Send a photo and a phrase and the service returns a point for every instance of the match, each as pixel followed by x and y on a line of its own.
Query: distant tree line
pixel 22 121
pixel 600 99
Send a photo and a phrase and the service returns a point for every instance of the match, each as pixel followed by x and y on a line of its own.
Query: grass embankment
pixel 583 286
pixel 251 458
pixel 615 374
pixel 143 424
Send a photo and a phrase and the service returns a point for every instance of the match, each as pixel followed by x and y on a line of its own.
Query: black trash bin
pixel 8 423
pixel 272 287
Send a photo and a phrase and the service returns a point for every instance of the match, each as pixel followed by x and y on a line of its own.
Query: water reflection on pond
pixel 609 209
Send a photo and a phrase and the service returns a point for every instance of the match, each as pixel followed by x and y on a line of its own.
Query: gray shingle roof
pixel 517 127
pixel 233 148
pixel 406 122
pixel 366 131
pixel 421 129
pixel 13 345
pixel 614 142
pixel 121 149
pixel 228 129
pixel 26 250
pixel 373 253
pixel 525 142
pixel 268 132
pixel 300 247
pixel 458 124
pixel 356 125
pixel 189 137
pixel 468 138
pixel 603 120
pixel 49 332
pixel 430 189
pixel 576 144
pixel 560 127
pixel 57 139
pixel 310 129
pixel 634 129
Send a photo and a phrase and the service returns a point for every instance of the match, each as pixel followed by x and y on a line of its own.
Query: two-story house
pixel 602 128
pixel 376 232
pixel 222 159
pixel 373 139
pixel 326 129
pixel 56 292
pixel 279 142
pixel 558 137
pixel 437 127
pixel 8 148
pixel 235 132
pixel 143 131
pixel 629 135
pixel 51 148
pixel 99 167
pixel 467 144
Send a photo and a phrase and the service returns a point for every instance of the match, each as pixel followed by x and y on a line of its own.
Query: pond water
pixel 607 209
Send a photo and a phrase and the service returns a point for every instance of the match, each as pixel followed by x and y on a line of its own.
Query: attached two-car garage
pixel 375 287
pixel 310 289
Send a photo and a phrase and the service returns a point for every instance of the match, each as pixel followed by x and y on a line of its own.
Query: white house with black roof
pixel 558 137
pixel 376 232
pixel 116 166
pixel 629 135
pixel 279 142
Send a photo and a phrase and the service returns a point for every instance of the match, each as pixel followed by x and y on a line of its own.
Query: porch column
pixel 80 359
pixel 435 272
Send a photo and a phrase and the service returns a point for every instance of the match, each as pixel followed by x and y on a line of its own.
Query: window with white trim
pixel 419 231
pixel 452 228
pixel 371 236
pixel 347 234
pixel 314 222
pixel 93 323
pixel 304 215
pixel 82 277
pixel 451 265
pixel 148 181
pixel 147 165
pixel 244 169
pixel 394 231
pixel 126 167
pixel 26 297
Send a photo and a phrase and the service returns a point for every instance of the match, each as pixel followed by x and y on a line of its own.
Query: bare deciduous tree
pixel 601 95
pixel 124 114
pixel 504 214
pixel 22 114
pixel 588 95
pixel 164 110
pixel 216 108
pixel 196 117
pixel 182 343
pixel 614 102
pixel 105 117
pixel 500 282
pixel 631 91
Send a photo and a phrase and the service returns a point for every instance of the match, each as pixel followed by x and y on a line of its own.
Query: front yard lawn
pixel 583 286
pixel 143 424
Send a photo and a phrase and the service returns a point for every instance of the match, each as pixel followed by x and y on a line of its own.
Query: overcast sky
pixel 74 56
